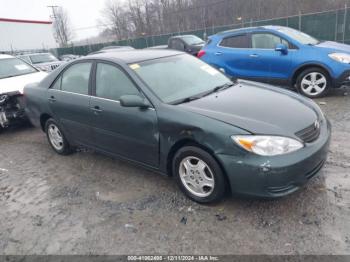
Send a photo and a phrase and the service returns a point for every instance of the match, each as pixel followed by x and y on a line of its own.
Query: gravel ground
pixel 88 203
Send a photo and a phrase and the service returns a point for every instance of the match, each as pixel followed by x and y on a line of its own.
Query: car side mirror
pixel 133 101
pixel 282 48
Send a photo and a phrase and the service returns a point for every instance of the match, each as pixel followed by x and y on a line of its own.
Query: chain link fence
pixel 330 25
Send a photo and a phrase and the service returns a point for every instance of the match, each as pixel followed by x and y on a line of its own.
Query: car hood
pixel 337 47
pixel 13 84
pixel 258 109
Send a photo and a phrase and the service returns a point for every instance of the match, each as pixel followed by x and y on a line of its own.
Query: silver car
pixel 43 61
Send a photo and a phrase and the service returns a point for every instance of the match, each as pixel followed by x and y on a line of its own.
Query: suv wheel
pixel 56 138
pixel 198 175
pixel 313 83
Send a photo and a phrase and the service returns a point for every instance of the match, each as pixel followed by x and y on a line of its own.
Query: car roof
pixel 248 29
pixel 181 36
pixel 113 47
pixel 135 56
pixel 34 54
pixel 5 56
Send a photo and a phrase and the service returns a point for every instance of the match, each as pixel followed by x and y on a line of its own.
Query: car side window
pixel 178 45
pixel 76 79
pixel 112 83
pixel 237 41
pixel 267 41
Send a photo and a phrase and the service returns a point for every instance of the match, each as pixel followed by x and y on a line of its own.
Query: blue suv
pixel 282 56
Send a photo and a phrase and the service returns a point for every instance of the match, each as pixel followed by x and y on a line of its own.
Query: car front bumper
pixel 273 177
pixel 342 80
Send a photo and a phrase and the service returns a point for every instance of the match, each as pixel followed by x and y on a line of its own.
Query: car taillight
pixel 201 53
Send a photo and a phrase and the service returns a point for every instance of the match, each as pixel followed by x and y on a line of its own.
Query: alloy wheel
pixel 55 137
pixel 313 84
pixel 196 176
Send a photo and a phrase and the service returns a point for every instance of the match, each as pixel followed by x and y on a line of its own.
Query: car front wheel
pixel 199 175
pixel 313 83
pixel 56 138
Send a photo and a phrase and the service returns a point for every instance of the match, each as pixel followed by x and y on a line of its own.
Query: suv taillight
pixel 201 53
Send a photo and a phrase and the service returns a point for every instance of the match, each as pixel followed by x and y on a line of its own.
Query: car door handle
pixel 218 53
pixel 254 55
pixel 52 99
pixel 96 109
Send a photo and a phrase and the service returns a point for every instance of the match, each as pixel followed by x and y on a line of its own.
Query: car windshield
pixel 42 58
pixel 11 67
pixel 192 40
pixel 301 37
pixel 180 77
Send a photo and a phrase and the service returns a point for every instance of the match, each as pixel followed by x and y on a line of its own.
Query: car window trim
pixel 93 90
pixel 68 92
pixel 250 37
pixel 60 75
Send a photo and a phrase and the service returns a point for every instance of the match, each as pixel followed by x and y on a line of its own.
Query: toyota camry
pixel 172 113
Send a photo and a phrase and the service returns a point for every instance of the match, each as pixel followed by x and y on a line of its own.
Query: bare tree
pixel 136 18
pixel 62 27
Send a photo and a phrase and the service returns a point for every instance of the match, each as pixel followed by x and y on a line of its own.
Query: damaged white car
pixel 14 75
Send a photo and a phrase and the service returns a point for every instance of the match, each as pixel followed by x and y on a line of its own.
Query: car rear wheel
pixel 199 175
pixel 313 82
pixel 56 138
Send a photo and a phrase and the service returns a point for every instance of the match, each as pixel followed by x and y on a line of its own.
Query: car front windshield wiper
pixel 186 100
pixel 223 87
pixel 215 90
pixel 9 76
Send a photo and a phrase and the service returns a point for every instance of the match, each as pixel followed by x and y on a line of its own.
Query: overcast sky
pixel 82 13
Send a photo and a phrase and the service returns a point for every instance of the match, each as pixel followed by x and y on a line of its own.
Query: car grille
pixel 309 134
pixel 53 67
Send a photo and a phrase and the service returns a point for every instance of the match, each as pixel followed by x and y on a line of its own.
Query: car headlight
pixel 340 57
pixel 268 145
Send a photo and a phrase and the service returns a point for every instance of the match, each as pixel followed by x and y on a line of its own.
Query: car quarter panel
pixel 211 134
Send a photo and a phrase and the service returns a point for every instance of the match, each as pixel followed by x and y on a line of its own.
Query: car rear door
pixel 129 132
pixel 233 55
pixel 270 65
pixel 69 100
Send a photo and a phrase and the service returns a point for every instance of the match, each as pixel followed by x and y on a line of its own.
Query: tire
pixel 194 169
pixel 56 138
pixel 313 82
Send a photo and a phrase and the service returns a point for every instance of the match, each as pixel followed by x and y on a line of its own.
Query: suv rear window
pixel 238 41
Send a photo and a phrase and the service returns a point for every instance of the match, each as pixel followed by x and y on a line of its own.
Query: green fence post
pixel 336 26
pixel 345 14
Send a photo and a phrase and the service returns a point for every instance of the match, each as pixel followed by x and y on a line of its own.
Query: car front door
pixel 270 65
pixel 129 132
pixel 69 101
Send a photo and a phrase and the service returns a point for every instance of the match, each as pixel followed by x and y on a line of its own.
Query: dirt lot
pixel 91 204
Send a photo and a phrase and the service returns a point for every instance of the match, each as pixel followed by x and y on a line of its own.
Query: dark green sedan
pixel 174 114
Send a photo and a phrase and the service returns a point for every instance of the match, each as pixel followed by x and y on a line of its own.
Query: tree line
pixel 135 18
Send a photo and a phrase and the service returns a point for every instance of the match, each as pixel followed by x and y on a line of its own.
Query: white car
pixel 14 75
pixel 43 61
